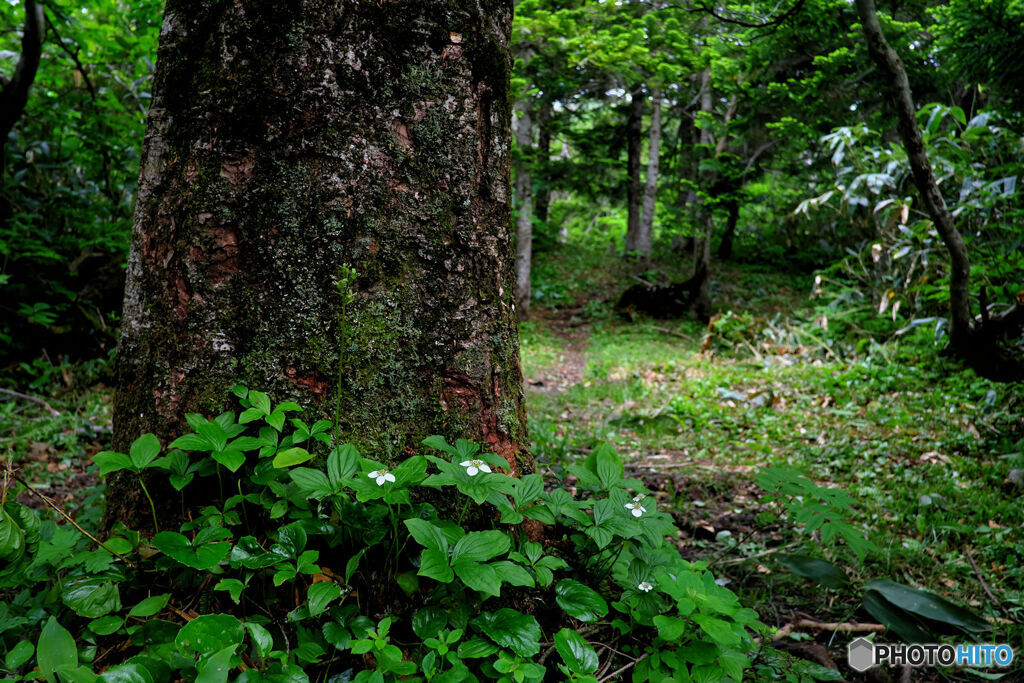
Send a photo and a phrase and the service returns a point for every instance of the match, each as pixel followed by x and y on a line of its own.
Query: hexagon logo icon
pixel 860 654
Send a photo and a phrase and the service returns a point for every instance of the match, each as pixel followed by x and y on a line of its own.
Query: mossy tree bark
pixel 634 150
pixel 283 144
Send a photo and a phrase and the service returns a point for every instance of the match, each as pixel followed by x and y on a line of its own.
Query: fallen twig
pixel 836 627
pixel 626 667
pixel 34 399
pixel 981 580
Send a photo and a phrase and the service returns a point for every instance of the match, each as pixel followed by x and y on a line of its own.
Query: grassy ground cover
pixel 924 446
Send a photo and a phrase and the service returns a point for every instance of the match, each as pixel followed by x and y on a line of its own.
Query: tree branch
pixel 14 95
pixel 704 7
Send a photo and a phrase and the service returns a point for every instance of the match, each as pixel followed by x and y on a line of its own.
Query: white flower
pixel 638 498
pixel 645 586
pixel 636 508
pixel 474 466
pixel 381 476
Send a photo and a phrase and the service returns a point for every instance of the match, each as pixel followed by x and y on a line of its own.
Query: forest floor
pixel 924 447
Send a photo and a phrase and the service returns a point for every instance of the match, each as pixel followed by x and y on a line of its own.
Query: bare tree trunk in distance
pixel 634 149
pixel 889 63
pixel 282 145
pixel 542 200
pixel 646 230
pixel 14 95
pixel 702 244
pixel 524 205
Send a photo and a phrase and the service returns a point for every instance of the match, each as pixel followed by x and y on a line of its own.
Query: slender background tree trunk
pixel 524 206
pixel 283 143
pixel 14 95
pixel 634 150
pixel 646 230
pixel 542 200
pixel 898 87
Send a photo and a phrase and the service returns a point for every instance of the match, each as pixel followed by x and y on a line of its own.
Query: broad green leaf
pixel 92 598
pixel 234 588
pixel 312 483
pixel 928 605
pixel 320 595
pixel 261 638
pixel 439 443
pixel 260 401
pixel 609 465
pixel 480 546
pixel 215 669
pixel 291 456
pixel 434 565
pixel 230 458
pixel 150 606
pixel 512 573
pixel 670 628
pixel 126 673
pixel 475 648
pixel 577 653
pixel 428 622
pixel 820 571
pixel 208 634
pixel 192 442
pixel 18 655
pixel 480 577
pixel 214 433
pixel 112 462
pixel 143 451
pixel 580 601
pixel 55 649
pixel 517 631
pixel 720 631
pixel 342 463
pixel 104 626
pixel 902 623
pixel 427 535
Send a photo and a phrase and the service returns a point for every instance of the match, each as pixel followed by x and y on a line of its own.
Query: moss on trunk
pixel 283 144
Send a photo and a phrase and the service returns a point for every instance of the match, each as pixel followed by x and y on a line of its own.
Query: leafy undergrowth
pixel 924 447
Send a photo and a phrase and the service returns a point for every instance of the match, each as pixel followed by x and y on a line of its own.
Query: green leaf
pixel 670 628
pixel 312 483
pixel 820 571
pixel 577 653
pixel 320 595
pixel 480 577
pixel 428 622
pixel 905 625
pixel 112 462
pixel 439 443
pixel 342 463
pixel 580 601
pixel 928 605
pixel 150 606
pixel 234 587
pixel 215 669
pixel 104 626
pixel 609 465
pixel 427 535
pixel 291 456
pixel 528 489
pixel 475 648
pixel 208 634
pixel 721 631
pixel 55 649
pixel 129 672
pixel 512 629
pixel 192 442
pixel 261 638
pixel 512 573
pixel 92 598
pixel 214 433
pixel 230 458
pixel 143 451
pixel 480 546
pixel 434 565
pixel 18 655
pixel 260 401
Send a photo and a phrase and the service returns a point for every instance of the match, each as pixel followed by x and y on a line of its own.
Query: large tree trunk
pixel 725 246
pixel 634 149
pixel 898 86
pixel 524 206
pixel 283 144
pixel 646 229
